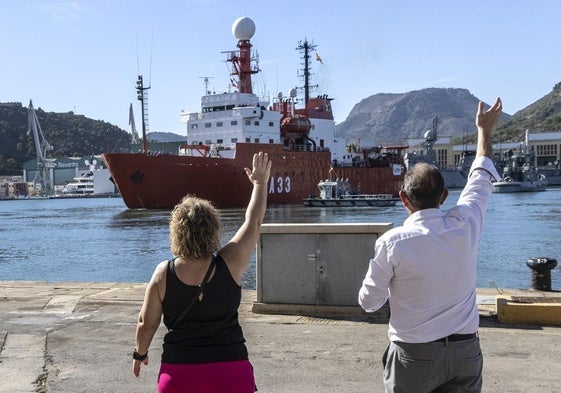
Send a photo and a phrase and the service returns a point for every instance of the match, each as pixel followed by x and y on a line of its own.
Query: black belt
pixel 456 337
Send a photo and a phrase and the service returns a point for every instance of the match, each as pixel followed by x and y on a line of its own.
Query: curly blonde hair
pixel 195 228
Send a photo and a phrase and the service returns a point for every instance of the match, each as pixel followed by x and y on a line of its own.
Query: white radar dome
pixel 429 135
pixel 243 28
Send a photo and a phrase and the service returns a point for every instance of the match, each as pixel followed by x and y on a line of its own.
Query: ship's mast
pixel 43 175
pixel 305 48
pixel 142 96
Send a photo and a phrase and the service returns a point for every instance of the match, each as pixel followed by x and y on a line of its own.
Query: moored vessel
pixel 232 126
pixel 519 174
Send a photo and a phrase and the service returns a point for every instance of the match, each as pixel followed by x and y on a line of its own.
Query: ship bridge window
pixel 248 140
pixel 234 123
pixel 271 124
pixel 248 122
pixel 218 108
pixel 229 107
pixel 256 122
pixel 219 124
pixel 208 142
pixel 219 141
pixel 256 140
pixel 195 143
pixel 271 141
pixel 194 126
pixel 208 125
pixel 234 140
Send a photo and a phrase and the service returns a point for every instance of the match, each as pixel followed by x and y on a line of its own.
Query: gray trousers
pixel 436 367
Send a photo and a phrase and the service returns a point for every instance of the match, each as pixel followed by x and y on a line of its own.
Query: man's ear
pixel 403 197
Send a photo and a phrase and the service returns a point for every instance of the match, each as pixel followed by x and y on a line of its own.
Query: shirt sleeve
pixel 375 286
pixel 485 164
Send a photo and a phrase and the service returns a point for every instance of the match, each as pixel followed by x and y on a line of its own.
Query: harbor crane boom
pixel 42 180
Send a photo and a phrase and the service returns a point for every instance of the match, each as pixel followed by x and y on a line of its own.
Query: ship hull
pixel 160 181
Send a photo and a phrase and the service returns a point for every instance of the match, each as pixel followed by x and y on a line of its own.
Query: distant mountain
pixel 393 118
pixel 164 137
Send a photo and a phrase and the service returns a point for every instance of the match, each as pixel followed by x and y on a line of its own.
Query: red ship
pixel 231 127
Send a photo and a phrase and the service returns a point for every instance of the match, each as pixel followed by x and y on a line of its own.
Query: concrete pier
pixel 79 337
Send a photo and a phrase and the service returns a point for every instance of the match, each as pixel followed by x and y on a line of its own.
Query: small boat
pixel 338 193
pixel 519 172
pixel 510 185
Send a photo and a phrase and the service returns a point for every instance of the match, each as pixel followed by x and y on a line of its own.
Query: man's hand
pixel 489 120
pixel 485 122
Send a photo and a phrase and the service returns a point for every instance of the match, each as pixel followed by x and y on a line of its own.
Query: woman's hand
pixel 261 169
pixel 136 366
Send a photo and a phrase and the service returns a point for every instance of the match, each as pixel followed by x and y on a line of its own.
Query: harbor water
pixel 100 240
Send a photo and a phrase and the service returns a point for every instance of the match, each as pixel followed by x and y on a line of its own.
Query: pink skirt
pixel 219 377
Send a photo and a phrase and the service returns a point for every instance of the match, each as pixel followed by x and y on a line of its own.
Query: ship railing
pixel 369 196
pixel 305 148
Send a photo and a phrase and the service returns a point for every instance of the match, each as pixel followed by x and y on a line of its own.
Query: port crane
pixel 42 181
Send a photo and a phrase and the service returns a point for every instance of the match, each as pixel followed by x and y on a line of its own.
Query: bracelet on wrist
pixel 137 356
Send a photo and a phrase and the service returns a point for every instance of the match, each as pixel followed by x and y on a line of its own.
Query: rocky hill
pixel 541 116
pixel 393 118
pixel 158 136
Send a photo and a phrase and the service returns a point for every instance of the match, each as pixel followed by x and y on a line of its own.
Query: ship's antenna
pixel 206 81
pixel 151 53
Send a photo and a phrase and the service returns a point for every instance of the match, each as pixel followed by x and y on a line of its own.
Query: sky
pixel 85 56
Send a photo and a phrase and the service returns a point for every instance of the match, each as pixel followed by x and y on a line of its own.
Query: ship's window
pixel 256 122
pixel 219 124
pixel 271 141
pixel 234 140
pixel 234 123
pixel 194 126
pixel 248 122
pixel 256 140
pixel 271 124
pixel 208 125
pixel 219 141
pixel 229 107
pixel 208 142
pixel 248 140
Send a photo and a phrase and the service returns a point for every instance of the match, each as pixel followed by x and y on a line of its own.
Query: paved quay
pixel 79 337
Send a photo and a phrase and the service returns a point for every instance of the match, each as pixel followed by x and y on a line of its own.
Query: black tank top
pixel 210 332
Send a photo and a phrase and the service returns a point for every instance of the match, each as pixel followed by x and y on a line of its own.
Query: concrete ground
pixel 79 337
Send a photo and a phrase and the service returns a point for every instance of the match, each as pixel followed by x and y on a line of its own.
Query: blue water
pixel 100 240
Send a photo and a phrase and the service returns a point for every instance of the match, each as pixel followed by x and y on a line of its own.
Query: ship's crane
pixel 135 137
pixel 42 180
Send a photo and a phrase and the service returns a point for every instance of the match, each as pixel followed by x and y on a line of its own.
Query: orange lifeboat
pixel 295 126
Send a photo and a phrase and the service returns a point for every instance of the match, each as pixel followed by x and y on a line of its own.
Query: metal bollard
pixel 541 272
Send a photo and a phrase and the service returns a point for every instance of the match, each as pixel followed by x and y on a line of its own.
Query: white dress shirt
pixel 427 266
